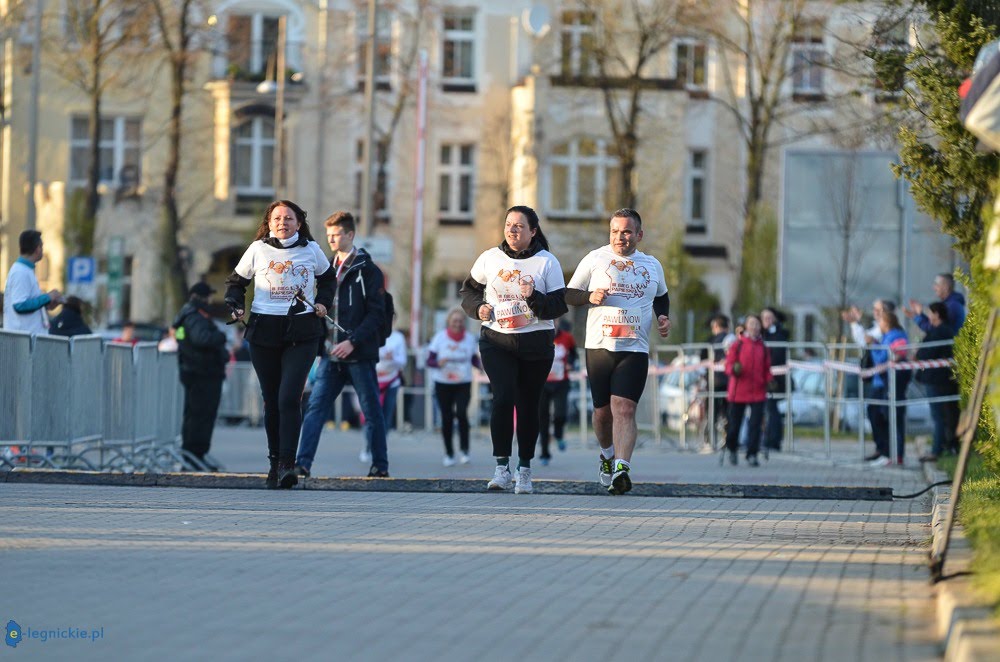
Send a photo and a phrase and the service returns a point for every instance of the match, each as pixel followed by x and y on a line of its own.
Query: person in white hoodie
pixel 24 303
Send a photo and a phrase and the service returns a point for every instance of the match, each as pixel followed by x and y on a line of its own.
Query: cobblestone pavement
pixel 179 574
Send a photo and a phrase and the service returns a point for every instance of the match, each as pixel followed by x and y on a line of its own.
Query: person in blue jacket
pixel 892 348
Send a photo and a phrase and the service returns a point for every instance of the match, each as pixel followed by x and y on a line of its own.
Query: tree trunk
pixel 176 277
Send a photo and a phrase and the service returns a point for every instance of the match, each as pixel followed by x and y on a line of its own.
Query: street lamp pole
pixel 367 213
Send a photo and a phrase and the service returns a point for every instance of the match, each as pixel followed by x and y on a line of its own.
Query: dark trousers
pixel 736 412
pixel 516 383
pixel 945 416
pixel 201 404
pixel 282 373
pixel 554 396
pixel 878 415
pixel 453 399
pixel 720 420
pixel 773 429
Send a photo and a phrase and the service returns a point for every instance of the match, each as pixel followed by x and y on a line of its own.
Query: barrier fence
pixel 83 403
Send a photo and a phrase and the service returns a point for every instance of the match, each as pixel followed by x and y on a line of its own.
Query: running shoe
pixel 463 458
pixel 620 481
pixel 448 461
pixel 523 485
pixel 605 470
pixel 561 444
pixel 502 480
pixel 365 456
pixel 881 461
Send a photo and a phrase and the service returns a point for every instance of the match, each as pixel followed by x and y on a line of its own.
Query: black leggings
pixel 453 399
pixel 554 394
pixel 516 383
pixel 282 373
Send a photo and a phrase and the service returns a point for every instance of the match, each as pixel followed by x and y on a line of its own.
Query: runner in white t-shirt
pixel 626 291
pixel 516 290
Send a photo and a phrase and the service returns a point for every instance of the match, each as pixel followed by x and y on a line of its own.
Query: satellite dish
pixel 537 21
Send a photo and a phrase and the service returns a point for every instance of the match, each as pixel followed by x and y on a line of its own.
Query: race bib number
pixel 513 314
pixel 621 324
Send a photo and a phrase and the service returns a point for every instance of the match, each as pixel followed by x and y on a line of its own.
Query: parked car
pixel 145 332
pixel 809 394
pixel 674 406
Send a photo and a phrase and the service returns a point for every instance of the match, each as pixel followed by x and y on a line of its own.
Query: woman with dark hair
pixel 516 290
pixel 284 334
pixel 940 382
pixel 892 348
pixel 748 367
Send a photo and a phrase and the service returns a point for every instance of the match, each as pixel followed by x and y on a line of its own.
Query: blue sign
pixel 81 270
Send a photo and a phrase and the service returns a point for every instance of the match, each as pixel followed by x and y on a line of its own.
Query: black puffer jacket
pixel 69 322
pixel 359 306
pixel 201 346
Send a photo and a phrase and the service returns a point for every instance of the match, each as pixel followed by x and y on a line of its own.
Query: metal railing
pixel 82 403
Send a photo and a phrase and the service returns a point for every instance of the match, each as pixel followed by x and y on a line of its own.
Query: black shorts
pixel 616 373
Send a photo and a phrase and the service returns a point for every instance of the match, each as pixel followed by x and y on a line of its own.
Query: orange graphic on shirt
pixel 511 310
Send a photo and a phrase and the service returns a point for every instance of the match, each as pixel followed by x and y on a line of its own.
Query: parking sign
pixel 81 270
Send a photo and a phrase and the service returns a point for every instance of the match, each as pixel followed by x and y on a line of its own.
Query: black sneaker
pixel 752 461
pixel 375 472
pixel 302 471
pixel 620 481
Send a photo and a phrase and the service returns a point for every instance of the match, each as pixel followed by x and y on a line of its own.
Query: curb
pixel 969 632
pixel 451 485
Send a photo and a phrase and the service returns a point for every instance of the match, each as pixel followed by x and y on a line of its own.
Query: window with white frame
pixel 697 188
pixel 253 156
pixel 120 150
pixel 383 46
pixel 584 179
pixel 458 57
pixel 380 190
pixel 808 60
pixel 252 42
pixel 690 59
pixel 577 40
pixel 455 184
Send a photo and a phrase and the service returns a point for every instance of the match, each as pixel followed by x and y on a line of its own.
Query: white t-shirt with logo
pixel 621 323
pixel 503 275
pixel 454 358
pixel 278 273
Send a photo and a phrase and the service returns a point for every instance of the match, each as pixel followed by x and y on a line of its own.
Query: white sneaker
pixel 502 480
pixel 463 458
pixel 448 461
pixel 364 456
pixel 880 462
pixel 523 485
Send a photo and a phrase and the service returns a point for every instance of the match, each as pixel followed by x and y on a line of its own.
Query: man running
pixel 625 289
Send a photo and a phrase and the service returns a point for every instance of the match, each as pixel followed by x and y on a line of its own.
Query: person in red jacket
pixel 748 365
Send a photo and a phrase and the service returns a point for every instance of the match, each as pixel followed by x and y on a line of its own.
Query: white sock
pixel 608 453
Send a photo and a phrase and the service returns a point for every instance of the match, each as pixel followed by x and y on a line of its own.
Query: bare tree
pixel 178 29
pixel 625 50
pixel 102 35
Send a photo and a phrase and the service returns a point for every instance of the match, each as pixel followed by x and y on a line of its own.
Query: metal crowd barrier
pixel 78 403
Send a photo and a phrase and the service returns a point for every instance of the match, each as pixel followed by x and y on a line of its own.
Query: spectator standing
pixel 24 303
pixel 451 356
pixel 69 322
pixel 892 348
pixel 721 340
pixel 940 382
pixel 944 289
pixel 127 334
pixel 774 333
pixel 201 359
pixel 748 366
pixel 556 392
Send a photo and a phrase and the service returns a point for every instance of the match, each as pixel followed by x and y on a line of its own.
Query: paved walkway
pixel 235 575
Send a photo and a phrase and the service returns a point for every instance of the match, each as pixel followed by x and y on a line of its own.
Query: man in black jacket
pixel 351 352
pixel 202 359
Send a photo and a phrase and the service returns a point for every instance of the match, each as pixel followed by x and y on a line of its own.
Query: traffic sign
pixel 81 270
